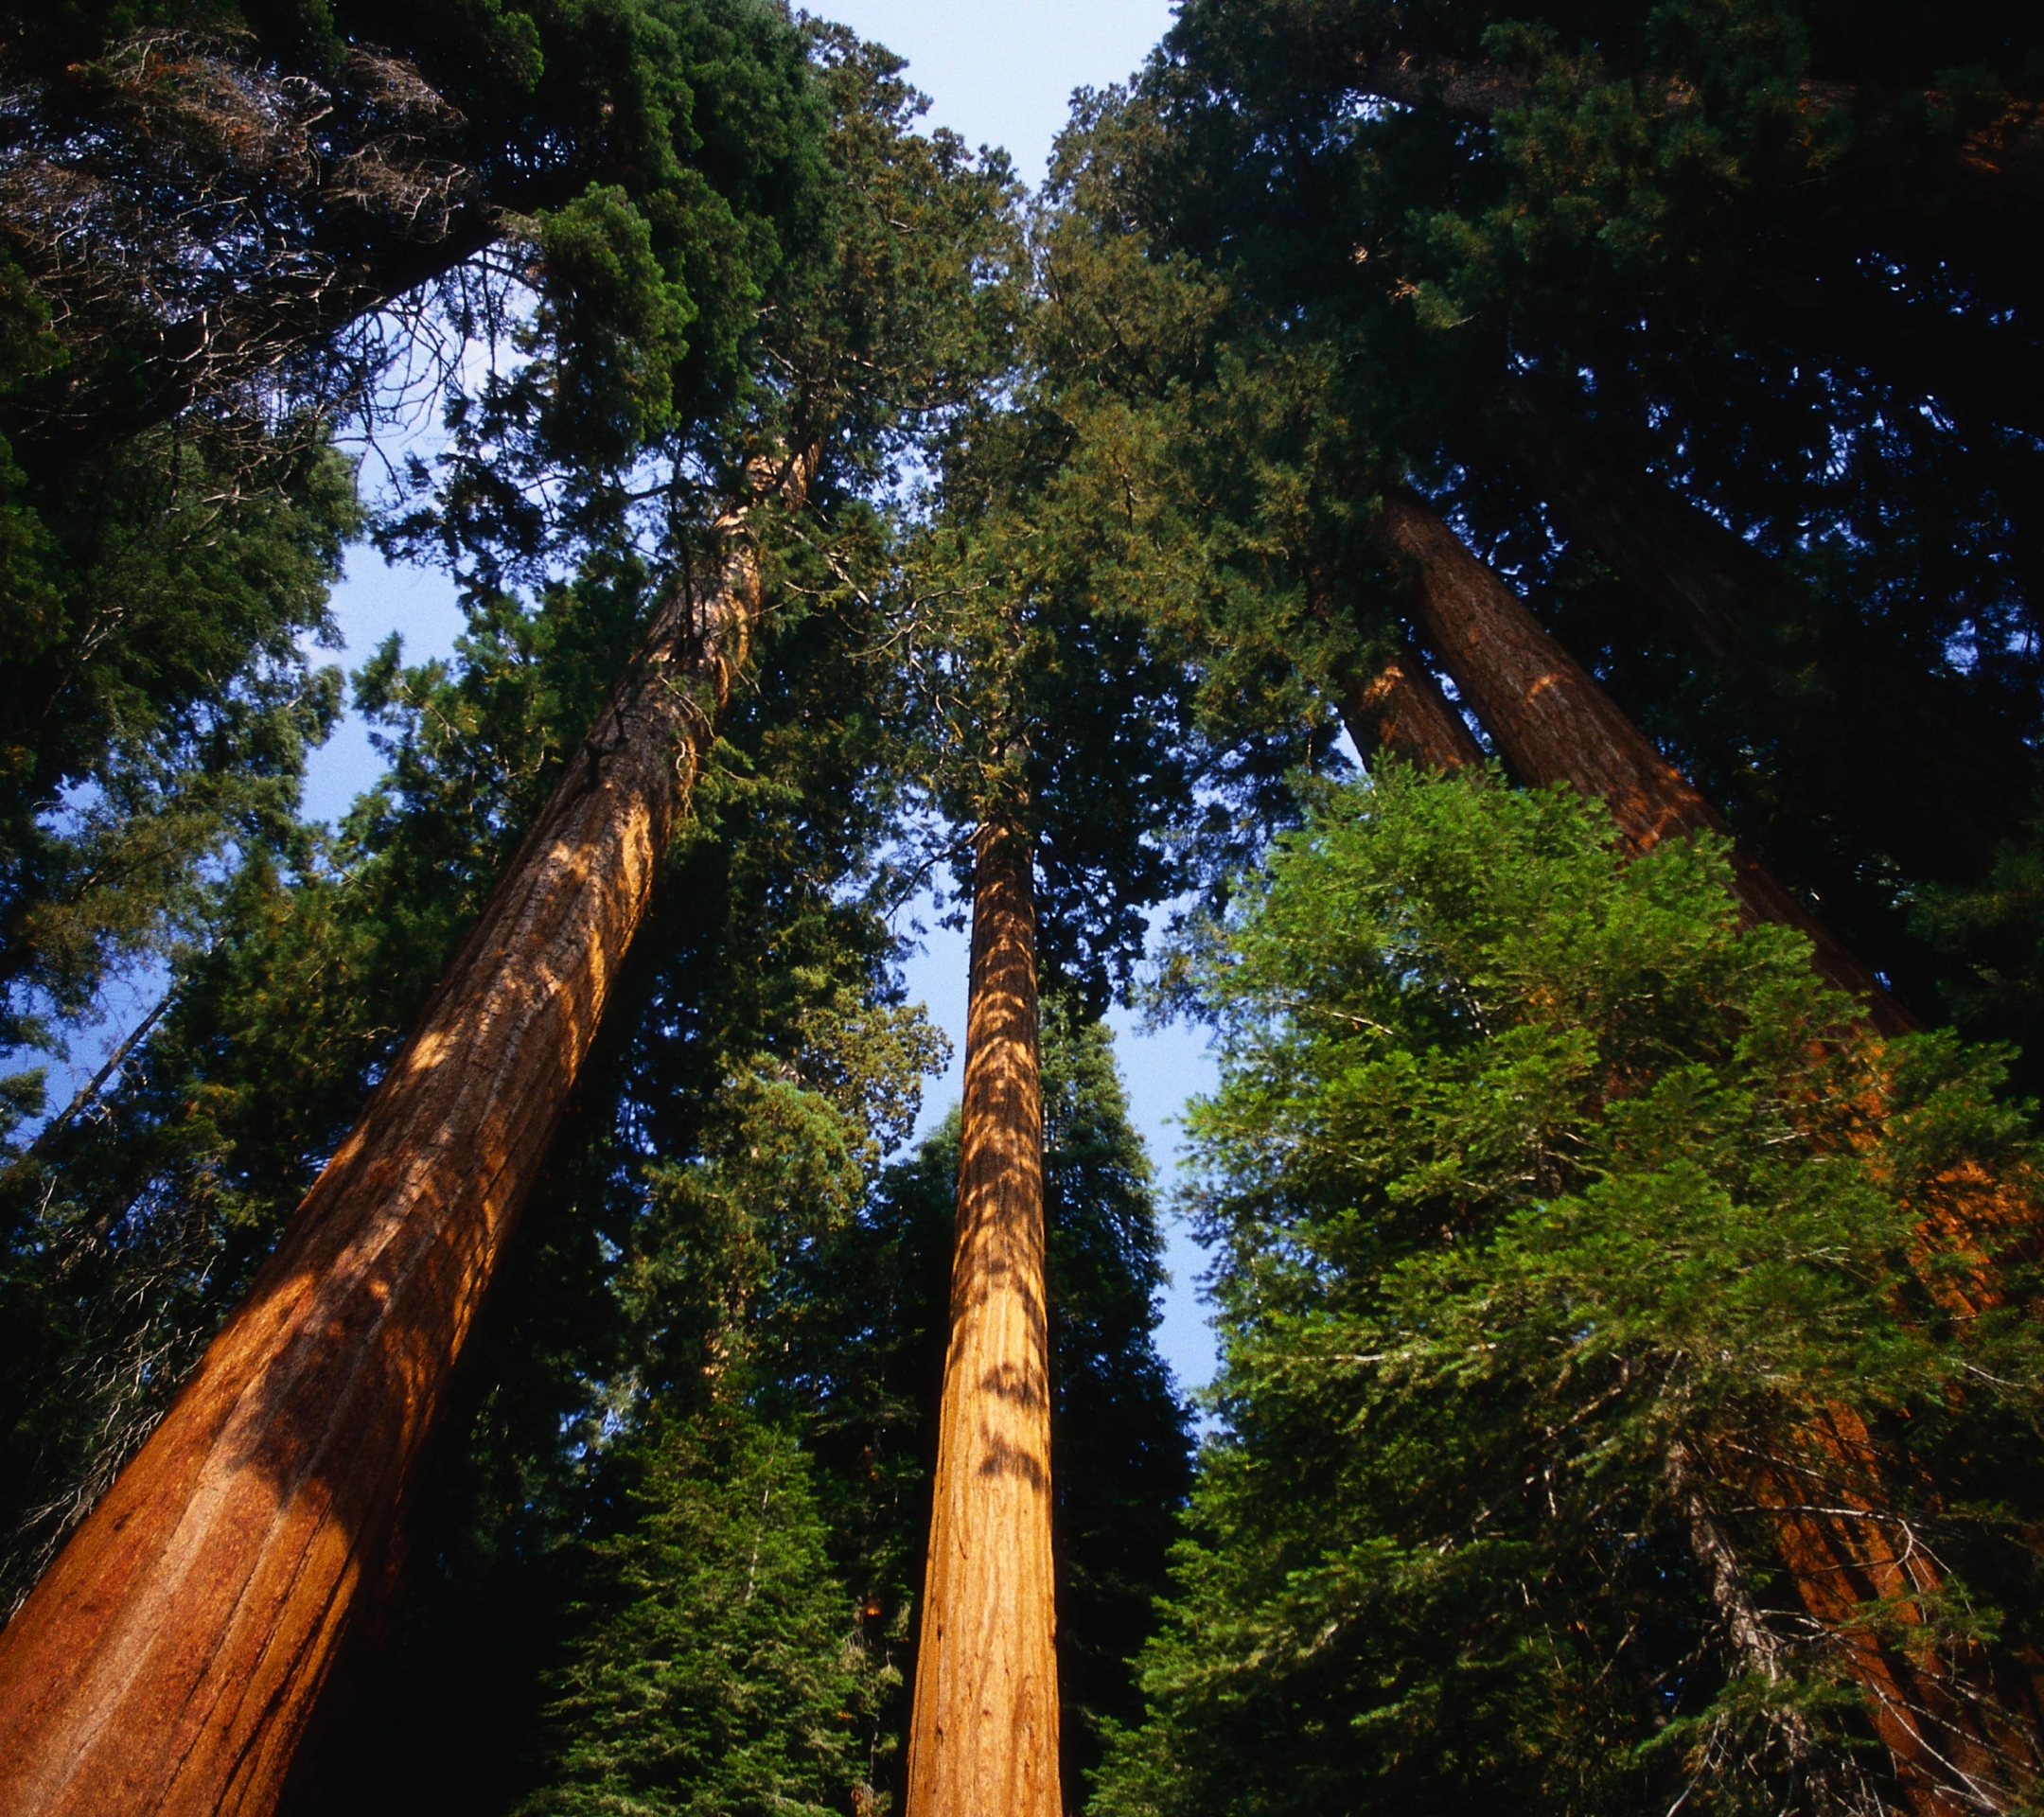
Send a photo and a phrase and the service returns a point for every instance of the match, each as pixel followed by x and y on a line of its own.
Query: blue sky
pixel 996 75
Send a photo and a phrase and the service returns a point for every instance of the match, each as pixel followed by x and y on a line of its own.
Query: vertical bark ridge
pixel 1554 724
pixel 170 1658
pixel 983 1738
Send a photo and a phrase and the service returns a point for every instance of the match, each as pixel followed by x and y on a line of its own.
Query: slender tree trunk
pixel 983 1741
pixel 1826 1784
pixel 1402 711
pixel 1918 764
pixel 1554 724
pixel 170 1658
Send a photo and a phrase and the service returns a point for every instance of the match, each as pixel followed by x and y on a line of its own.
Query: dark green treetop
pixel 1719 253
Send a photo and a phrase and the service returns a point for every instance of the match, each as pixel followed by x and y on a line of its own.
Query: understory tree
pixel 1630 1387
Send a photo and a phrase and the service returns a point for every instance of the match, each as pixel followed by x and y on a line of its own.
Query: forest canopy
pixel 1488 562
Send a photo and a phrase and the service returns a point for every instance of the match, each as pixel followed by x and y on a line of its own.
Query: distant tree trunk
pixel 170 1658
pixel 1903 751
pixel 1401 711
pixel 1960 1733
pixel 1554 724
pixel 983 1741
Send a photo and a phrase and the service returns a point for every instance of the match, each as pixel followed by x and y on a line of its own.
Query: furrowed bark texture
pixel 170 1658
pixel 984 1735
pixel 1903 740
pixel 1554 724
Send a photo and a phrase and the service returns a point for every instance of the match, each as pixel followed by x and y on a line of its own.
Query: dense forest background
pixel 1622 1181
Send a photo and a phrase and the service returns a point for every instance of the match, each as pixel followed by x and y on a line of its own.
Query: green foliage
pixel 1060 667
pixel 1732 254
pixel 157 706
pixel 1555 1212
pixel 717 1670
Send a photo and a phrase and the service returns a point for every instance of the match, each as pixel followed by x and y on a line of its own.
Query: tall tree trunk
pixel 1906 753
pixel 1947 1726
pixel 984 1735
pixel 1554 724
pixel 1401 711
pixel 1960 1726
pixel 170 1658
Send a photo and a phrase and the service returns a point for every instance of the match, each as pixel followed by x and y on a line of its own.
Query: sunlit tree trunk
pixel 983 1741
pixel 1552 723
pixel 171 1656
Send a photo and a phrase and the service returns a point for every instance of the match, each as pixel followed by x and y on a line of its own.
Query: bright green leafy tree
pixel 1561 1224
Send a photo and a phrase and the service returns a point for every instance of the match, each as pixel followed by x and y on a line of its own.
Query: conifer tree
pixel 1554 724
pixel 1550 1373
pixel 984 1734
pixel 1063 730
pixel 280 1472
pixel 1614 241
pixel 715 1670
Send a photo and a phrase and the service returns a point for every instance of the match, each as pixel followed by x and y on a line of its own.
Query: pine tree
pixel 717 1669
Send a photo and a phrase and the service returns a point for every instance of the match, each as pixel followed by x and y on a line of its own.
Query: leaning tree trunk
pixel 170 1658
pixel 1949 1728
pixel 1554 724
pixel 1400 710
pixel 1920 766
pixel 984 1735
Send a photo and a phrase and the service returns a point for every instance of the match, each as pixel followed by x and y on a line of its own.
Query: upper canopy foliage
pixel 1643 273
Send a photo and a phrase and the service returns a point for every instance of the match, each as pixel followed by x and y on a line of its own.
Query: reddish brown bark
pixel 1552 723
pixel 170 1658
pixel 984 1737
pixel 1960 1733
pixel 1402 711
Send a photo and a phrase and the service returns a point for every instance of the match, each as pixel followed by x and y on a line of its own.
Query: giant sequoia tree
pixel 1059 731
pixel 1628 1394
pixel 280 1472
